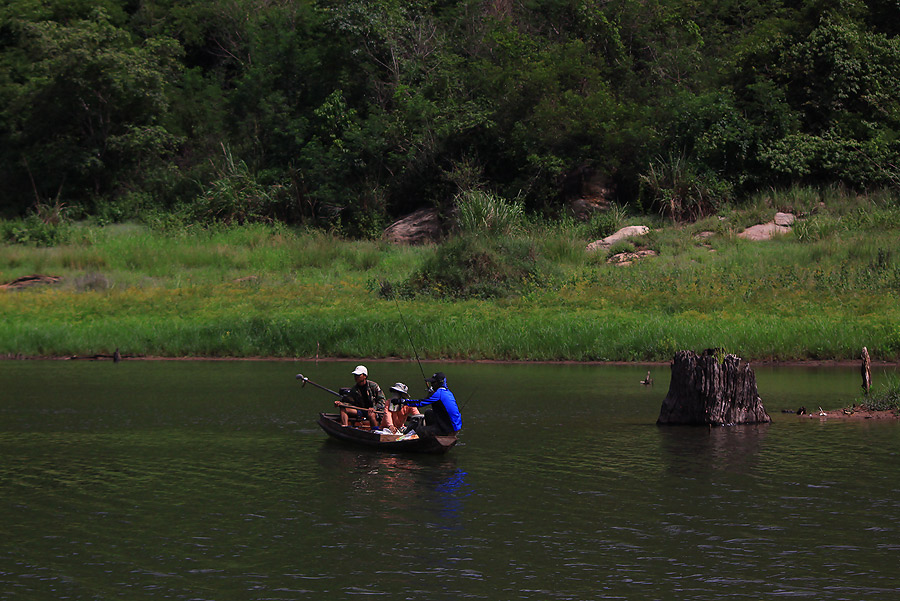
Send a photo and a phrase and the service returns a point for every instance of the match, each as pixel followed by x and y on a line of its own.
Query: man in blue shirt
pixel 443 418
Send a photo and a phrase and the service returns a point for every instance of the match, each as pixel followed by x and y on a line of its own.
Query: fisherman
pixel 366 398
pixel 443 418
pixel 396 414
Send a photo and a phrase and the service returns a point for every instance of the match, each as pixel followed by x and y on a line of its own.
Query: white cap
pixel 360 369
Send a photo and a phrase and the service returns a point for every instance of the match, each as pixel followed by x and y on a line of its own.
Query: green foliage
pixel 481 267
pixel 864 163
pixel 838 82
pixel 679 192
pixel 237 196
pixel 47 224
pixel 622 246
pixel 815 229
pixel 608 222
pixel 278 291
pixel 348 114
pixel 486 213
pixel 83 106
pixel 33 230
pixel 883 398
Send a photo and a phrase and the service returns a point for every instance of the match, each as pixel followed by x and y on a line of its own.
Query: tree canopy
pixel 348 112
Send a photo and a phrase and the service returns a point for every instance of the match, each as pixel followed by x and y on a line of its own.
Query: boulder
pixel 591 191
pixel 626 232
pixel 784 219
pixel 421 227
pixel 764 231
pixel 704 391
pixel 584 208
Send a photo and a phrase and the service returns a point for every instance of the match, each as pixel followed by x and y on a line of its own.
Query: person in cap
pixel 443 417
pixel 365 397
pixel 396 414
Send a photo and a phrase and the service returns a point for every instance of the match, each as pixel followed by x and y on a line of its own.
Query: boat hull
pixel 330 422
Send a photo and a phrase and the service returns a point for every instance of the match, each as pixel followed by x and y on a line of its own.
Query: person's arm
pixel 435 397
pixel 378 402
pixel 388 421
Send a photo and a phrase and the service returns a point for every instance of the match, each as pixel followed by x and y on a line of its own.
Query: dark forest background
pixel 350 113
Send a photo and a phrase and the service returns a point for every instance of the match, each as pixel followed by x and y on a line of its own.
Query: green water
pixel 207 480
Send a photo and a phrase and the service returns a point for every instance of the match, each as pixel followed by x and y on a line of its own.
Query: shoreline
pixel 836 363
pixel 851 415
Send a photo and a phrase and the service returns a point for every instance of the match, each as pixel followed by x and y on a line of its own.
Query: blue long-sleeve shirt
pixel 443 396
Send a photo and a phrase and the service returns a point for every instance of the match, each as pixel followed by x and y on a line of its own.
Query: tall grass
pixel 885 397
pixel 139 256
pixel 264 289
pixel 232 321
pixel 482 212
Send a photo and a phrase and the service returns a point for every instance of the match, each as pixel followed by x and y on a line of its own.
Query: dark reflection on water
pixel 701 450
pixel 211 481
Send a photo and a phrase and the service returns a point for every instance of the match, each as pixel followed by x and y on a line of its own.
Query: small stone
pixel 784 219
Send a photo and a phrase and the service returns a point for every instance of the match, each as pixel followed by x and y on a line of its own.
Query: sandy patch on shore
pixel 851 414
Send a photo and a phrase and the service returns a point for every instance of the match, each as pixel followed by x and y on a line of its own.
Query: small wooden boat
pixel 331 423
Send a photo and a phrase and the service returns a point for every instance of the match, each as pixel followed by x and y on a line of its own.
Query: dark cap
pixel 437 378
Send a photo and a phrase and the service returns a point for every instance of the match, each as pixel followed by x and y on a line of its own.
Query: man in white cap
pixel 366 397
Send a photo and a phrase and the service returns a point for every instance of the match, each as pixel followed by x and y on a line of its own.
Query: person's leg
pixel 430 427
pixel 441 420
pixel 346 412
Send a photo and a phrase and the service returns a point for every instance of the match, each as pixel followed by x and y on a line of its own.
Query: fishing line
pixel 466 402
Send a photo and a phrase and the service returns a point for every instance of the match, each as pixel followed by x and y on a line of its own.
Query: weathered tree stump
pixel 704 391
pixel 866 370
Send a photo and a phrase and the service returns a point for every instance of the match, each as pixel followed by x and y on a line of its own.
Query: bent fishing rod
pixel 408 335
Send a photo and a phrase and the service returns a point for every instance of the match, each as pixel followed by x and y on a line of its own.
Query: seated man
pixel 364 399
pixel 443 418
pixel 395 417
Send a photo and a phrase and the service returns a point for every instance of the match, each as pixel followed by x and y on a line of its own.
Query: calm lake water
pixel 211 480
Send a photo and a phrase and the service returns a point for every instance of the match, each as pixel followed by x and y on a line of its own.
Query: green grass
pixel 268 290
pixel 883 398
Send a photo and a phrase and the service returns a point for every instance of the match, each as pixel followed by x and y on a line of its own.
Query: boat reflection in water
pixel 407 490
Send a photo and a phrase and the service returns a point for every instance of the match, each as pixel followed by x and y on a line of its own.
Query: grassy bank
pixel 821 292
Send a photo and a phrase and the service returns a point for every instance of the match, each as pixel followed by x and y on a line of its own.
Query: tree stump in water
pixel 866 370
pixel 704 391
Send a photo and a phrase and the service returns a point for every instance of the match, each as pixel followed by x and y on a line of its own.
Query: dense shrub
pixel 480 266
pixel 35 231
pixel 681 191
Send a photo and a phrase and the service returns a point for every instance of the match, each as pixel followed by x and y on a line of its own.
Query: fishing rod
pixel 408 335
pixel 306 381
